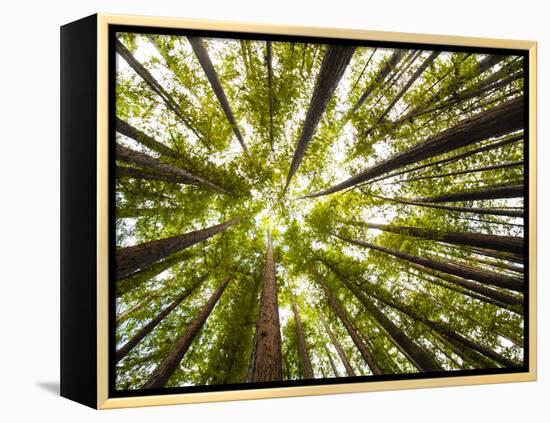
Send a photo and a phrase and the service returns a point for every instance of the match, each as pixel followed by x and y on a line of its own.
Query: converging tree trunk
pixel 331 362
pixel 148 328
pixel 131 259
pixel 493 193
pixel 170 363
pixel 266 360
pixel 305 363
pixel 204 59
pixel 467 171
pixel 334 65
pixel 490 278
pixel 269 60
pixel 500 120
pixel 342 315
pixel 338 347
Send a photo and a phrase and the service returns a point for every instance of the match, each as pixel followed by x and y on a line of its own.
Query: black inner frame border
pixel 113 29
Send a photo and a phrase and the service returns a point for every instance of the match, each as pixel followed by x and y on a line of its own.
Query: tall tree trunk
pixel 438 163
pixel 204 59
pixel 331 361
pixel 148 328
pixel 334 65
pixel 266 361
pixel 511 244
pixel 130 172
pixel 416 355
pixel 126 212
pixel 169 364
pixel 500 120
pixel 269 60
pixel 128 155
pixel 476 210
pixel 342 315
pixel 493 193
pixel 155 86
pixel 467 171
pixel 500 255
pixel 338 347
pixel 384 71
pixel 131 259
pixel 305 362
pixel 484 276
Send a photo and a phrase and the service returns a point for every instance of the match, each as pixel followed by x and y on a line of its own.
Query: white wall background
pixel 29 293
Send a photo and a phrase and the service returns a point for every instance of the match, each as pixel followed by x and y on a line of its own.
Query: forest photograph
pixel 296 211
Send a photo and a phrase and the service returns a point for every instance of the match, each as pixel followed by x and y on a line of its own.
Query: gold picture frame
pixel 102 23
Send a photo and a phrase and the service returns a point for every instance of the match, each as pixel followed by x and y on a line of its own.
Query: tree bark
pixel 132 259
pixel 266 361
pixel 467 171
pixel 305 362
pixel 154 85
pixel 342 315
pixel 493 193
pixel 338 347
pixel 148 328
pixel 500 120
pixel 332 69
pixel 169 364
pixel 476 210
pixel 490 278
pixel 204 59
pixel 128 155
pixel 511 244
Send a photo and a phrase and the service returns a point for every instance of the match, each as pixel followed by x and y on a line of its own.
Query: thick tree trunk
pixel 266 362
pixel 467 171
pixel 132 259
pixel 305 362
pixel 331 361
pixel 128 155
pixel 269 60
pixel 483 276
pixel 148 328
pixel 438 163
pixel 342 315
pixel 494 193
pixel 476 210
pixel 332 69
pixel 500 120
pixel 154 85
pixel 135 134
pixel 204 59
pixel 338 347
pixel 383 73
pixel 169 364
pixel 511 244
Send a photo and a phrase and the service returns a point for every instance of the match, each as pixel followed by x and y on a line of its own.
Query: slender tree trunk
pixel 331 361
pixel 125 315
pixel 170 363
pixel 338 347
pixel 154 85
pixel 383 73
pixel 204 59
pixel 135 134
pixel 467 171
pixel 130 172
pixel 496 242
pixel 342 315
pixel 332 69
pixel 483 276
pixel 269 60
pixel 476 210
pixel 305 362
pixel 500 120
pixel 500 255
pixel 438 163
pixel 266 362
pixel 131 259
pixel 493 193
pixel 155 166
pixel 492 263
pixel 126 212
pixel 148 328
pixel 416 355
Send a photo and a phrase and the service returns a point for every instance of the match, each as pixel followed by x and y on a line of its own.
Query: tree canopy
pixel 291 210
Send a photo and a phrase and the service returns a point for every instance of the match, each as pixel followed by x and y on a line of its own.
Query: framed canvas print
pixel 253 211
